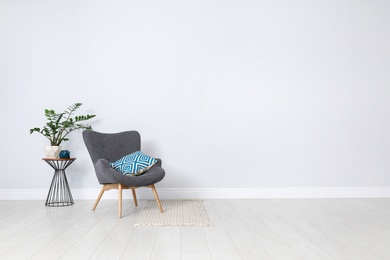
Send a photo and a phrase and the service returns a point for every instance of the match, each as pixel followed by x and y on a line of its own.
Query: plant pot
pixel 52 151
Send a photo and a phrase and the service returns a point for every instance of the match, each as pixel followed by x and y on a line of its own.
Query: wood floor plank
pixel 383 203
pixel 289 229
pixel 167 244
pixel 355 223
pixel 305 248
pixel 18 240
pixel 271 240
pixel 245 242
pixel 28 214
pixel 76 234
pixel 140 245
pixel 14 225
pixel 326 243
pixel 51 232
pixel 320 219
pixel 193 244
pixel 12 207
pixel 116 241
pixel 218 239
pixel 365 212
pixel 89 241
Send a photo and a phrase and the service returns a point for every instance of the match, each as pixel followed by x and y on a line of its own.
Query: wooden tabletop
pixel 58 159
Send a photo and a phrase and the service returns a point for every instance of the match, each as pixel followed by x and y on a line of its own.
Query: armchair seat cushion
pixel 152 176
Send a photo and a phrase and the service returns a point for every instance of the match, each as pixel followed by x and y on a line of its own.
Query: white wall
pixel 230 94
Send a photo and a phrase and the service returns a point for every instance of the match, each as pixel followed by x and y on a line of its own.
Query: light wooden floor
pixel 244 229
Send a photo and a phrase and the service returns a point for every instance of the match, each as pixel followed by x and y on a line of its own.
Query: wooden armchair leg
pixel 134 197
pixel 99 197
pixel 120 200
pixel 157 199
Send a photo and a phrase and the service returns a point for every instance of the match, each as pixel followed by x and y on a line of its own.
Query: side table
pixel 59 193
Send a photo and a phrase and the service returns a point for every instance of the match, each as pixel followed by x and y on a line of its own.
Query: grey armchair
pixel 104 148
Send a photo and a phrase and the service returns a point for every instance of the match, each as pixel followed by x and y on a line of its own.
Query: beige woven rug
pixel 177 213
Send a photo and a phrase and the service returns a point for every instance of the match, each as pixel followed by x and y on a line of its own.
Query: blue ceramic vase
pixel 64 154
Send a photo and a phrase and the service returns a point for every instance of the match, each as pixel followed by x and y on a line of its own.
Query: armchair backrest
pixel 111 147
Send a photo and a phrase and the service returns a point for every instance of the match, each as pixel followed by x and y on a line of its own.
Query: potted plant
pixel 59 125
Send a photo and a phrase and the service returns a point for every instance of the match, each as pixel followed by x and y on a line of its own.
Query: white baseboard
pixel 210 193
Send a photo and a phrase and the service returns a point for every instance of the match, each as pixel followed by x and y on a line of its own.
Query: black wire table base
pixel 59 193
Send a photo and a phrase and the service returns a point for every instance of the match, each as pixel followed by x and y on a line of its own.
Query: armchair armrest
pixel 158 163
pixel 104 172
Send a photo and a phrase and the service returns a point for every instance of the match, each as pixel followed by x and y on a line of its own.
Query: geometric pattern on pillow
pixel 134 164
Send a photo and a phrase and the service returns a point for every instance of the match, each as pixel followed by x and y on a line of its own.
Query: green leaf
pixel 59 125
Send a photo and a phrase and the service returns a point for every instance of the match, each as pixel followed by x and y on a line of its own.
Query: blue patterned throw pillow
pixel 134 164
